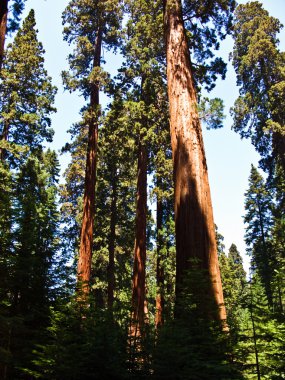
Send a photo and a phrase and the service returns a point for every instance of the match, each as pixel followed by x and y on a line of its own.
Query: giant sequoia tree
pixel 259 65
pixel 144 69
pixel 127 252
pixel 195 230
pixel 89 25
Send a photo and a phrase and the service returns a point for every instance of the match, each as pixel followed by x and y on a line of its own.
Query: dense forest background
pixel 112 267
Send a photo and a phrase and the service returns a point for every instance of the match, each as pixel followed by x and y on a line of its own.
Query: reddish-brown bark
pixel 112 238
pixel 194 225
pixel 87 228
pixel 138 287
pixel 3 27
pixel 159 315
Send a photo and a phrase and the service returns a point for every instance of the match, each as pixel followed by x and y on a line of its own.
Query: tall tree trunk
pixel 138 287
pixel 4 137
pixel 254 337
pixel 112 238
pixel 267 277
pixel 194 225
pixel 278 140
pixel 87 228
pixel 159 316
pixel 3 27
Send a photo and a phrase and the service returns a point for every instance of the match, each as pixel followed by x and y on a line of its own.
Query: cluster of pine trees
pixel 120 272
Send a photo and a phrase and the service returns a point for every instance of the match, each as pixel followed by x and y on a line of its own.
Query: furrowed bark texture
pixel 138 286
pixel 87 228
pixel 3 27
pixel 112 239
pixel 194 224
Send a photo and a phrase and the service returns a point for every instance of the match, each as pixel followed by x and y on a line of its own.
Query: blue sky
pixel 229 158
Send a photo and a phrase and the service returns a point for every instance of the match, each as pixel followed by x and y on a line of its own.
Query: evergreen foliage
pixel 26 93
pixel 30 218
pixel 258 218
pixel 259 65
pixel 261 337
pixel 15 11
pixel 195 346
pixel 47 331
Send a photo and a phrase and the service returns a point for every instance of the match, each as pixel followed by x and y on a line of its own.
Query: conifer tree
pixel 26 93
pixel 258 205
pixel 163 190
pixel 116 199
pixel 29 277
pixel 195 231
pixel 89 25
pixel 260 348
pixel 234 283
pixel 8 24
pixel 30 216
pixel 3 27
pixel 144 70
pixel 276 183
pixel 259 64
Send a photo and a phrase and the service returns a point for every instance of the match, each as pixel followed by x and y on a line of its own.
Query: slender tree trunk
pixel 112 238
pixel 3 27
pixel 278 139
pixel 4 137
pixel 279 146
pixel 194 225
pixel 254 338
pixel 265 260
pixel 138 287
pixel 159 316
pixel 87 228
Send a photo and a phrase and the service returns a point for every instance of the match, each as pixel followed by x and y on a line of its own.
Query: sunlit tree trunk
pixel 87 228
pixel 194 225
